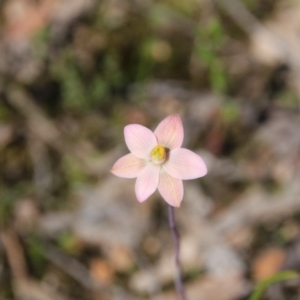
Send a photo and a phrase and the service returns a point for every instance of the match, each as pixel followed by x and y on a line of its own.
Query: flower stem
pixel 175 234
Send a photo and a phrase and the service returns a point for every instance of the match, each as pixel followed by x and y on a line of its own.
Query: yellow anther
pixel 158 154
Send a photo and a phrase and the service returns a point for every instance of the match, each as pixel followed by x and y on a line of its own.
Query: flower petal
pixel 185 164
pixel 128 166
pixel 169 132
pixel 171 189
pixel 147 182
pixel 139 140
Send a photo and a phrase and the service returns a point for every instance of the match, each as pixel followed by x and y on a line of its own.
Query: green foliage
pixel 262 286
pixel 99 89
pixel 65 71
pixel 36 254
pixel 159 16
pixel 217 76
pixel 104 60
pixel 145 63
pixel 208 42
pixel 250 4
pixel 75 175
pixel 73 90
pixel 230 112
pixel 288 99
pixel 40 41
pixel 5 114
pixel 80 90
pixel 69 243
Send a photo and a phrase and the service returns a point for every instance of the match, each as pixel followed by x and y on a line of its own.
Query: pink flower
pixel 157 161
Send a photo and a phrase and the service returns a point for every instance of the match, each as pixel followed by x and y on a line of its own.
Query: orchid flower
pixel 157 161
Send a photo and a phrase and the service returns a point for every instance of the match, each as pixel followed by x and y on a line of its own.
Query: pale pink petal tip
pixel 140 140
pixel 128 166
pixel 171 189
pixel 147 182
pixel 169 132
pixel 185 164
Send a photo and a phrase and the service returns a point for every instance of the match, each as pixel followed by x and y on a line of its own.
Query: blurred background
pixel 73 73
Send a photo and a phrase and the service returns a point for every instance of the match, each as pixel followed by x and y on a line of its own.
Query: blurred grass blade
pixel 262 286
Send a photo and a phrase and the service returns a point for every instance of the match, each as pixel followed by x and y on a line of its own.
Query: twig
pixel 178 278
pixel 79 272
pixel 42 173
pixel 238 12
pixel 15 254
pixel 23 286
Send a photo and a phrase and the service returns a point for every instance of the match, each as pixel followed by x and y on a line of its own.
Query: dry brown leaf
pixel 120 258
pixel 23 19
pixel 101 271
pixel 267 263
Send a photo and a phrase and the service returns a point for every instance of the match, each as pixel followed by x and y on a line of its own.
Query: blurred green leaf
pixel 99 90
pixel 69 243
pixel 230 112
pixel 73 90
pixel 36 254
pixel 206 53
pixel 40 40
pixel 209 39
pixel 145 63
pixel 112 70
pixel 262 286
pixel 218 77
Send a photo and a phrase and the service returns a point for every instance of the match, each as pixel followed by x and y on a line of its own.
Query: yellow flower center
pixel 158 154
